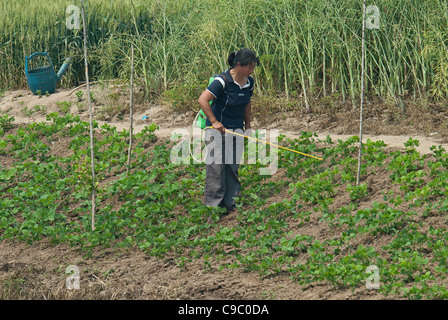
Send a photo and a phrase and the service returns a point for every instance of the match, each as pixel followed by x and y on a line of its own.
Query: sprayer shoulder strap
pixel 223 76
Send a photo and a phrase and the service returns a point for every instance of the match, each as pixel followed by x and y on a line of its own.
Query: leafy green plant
pixel 29 112
pixel 358 192
pixel 64 106
pixel 6 123
pixel 26 112
pixel 158 207
pixel 79 95
pixel 92 97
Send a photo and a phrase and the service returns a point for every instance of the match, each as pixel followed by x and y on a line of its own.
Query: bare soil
pixel 38 270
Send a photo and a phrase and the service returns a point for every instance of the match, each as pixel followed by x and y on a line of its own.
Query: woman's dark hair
pixel 244 57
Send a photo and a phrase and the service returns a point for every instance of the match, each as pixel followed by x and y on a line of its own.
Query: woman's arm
pixel 247 113
pixel 204 102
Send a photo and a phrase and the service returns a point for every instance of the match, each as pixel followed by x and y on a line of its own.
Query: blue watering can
pixel 44 79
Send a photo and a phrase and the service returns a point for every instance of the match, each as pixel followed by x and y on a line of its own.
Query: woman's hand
pixel 218 126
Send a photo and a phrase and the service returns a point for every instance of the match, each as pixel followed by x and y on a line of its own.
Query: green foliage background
pixel 312 45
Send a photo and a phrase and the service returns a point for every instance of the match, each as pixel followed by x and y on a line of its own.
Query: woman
pixel 231 93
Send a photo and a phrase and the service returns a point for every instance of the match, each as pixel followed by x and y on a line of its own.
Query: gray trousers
pixel 224 153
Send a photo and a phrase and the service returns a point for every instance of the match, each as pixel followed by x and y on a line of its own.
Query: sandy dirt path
pixel 14 102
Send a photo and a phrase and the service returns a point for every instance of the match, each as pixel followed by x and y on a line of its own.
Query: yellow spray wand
pixel 228 131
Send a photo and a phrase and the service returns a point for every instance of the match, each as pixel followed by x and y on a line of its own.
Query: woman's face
pixel 247 70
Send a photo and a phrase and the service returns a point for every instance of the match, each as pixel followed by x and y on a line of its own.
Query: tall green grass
pixel 307 48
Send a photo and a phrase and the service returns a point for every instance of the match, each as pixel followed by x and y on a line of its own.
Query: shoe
pixel 223 215
pixel 227 213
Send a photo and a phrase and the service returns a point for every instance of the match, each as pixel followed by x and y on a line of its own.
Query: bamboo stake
pixel 92 154
pixel 362 91
pixel 130 109
pixel 324 69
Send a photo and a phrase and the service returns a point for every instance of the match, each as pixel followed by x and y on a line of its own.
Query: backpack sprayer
pixel 200 121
